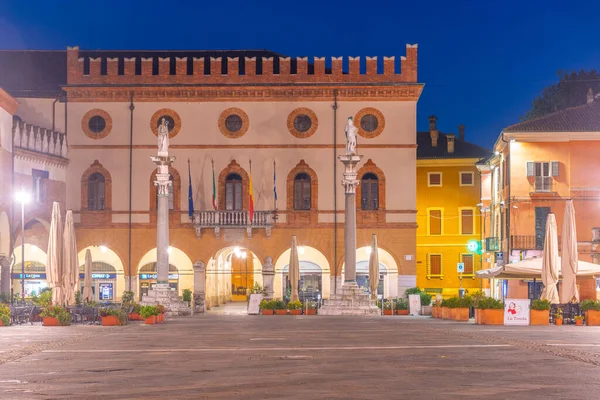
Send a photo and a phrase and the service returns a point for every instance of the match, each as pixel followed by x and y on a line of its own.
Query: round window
pixel 97 124
pixel 369 123
pixel 233 123
pixel 170 122
pixel 302 123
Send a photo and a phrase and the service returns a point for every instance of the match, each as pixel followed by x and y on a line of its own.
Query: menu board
pixel 254 304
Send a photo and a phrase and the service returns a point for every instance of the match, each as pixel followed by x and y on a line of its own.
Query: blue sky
pixel 482 61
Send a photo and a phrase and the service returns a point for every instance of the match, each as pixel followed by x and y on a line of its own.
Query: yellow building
pixel 448 215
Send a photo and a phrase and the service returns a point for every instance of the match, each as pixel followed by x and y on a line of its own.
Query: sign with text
pixel 516 312
pixel 254 304
pixel 29 276
pixel 414 304
pixel 153 276
pixel 100 275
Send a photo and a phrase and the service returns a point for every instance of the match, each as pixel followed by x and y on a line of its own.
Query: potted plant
pixel 4 315
pixel 445 309
pixel 477 297
pixel 539 313
pixel 148 313
pixel 134 315
pixel 451 305
pixel 280 307
pixel 463 305
pixel 591 308
pixel 55 316
pixel 113 317
pixel 387 308
pixel 401 306
pixel 579 320
pixel 492 311
pixel 266 307
pixel 426 308
pixel 558 317
pixel 311 308
pixel 186 295
pixel 295 307
pixel 160 313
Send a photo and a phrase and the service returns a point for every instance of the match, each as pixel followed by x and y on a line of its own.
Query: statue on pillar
pixel 350 131
pixel 163 138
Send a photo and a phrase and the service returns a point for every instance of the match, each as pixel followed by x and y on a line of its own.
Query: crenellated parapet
pixel 130 68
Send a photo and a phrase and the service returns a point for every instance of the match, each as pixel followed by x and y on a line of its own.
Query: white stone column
pixel 199 296
pixel 162 219
pixel 350 183
pixel 5 262
pixel 268 274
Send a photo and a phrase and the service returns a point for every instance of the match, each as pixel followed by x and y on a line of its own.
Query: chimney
pixel 433 132
pixel 461 132
pixel 590 96
pixel 450 139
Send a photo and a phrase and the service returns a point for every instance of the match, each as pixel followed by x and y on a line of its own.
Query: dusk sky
pixel 482 61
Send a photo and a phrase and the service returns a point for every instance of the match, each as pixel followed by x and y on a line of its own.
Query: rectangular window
pixel 40 184
pixel 467 259
pixel 434 265
pixel 541 215
pixel 466 217
pixel 435 222
pixel 434 178
pixel 542 176
pixel 466 179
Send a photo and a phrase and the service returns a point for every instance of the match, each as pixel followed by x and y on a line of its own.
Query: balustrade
pixel 41 140
pixel 219 219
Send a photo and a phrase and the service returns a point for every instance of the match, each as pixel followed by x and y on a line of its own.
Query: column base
pixel 162 294
pixel 350 300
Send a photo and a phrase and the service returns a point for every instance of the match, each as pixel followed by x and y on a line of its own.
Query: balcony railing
pixel 41 140
pixel 492 244
pixel 218 220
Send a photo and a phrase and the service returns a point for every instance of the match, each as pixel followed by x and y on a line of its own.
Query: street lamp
pixel 22 197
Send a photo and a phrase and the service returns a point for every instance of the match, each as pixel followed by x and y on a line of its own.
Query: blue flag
pixel 190 193
pixel 274 184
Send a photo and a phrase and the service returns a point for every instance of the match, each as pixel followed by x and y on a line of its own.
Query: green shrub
pixel 587 305
pixel 465 302
pixel 489 303
pixel 187 296
pixel 387 305
pixel 44 299
pixel 61 314
pixel 257 289
pixel 127 296
pixel 540 305
pixel 114 312
pixel 279 305
pixel 5 315
pixel 294 305
pixel 452 302
pixel 77 298
pixel 425 299
pixel 312 305
pixel 266 304
pixel 414 290
pixel 148 311
pixel 401 304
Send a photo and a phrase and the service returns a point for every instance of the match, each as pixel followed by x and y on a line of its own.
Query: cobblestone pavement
pixel 224 356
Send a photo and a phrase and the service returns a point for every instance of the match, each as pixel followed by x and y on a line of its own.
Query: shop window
pixel 96 192
pixel 233 192
pixel 302 192
pixel 369 192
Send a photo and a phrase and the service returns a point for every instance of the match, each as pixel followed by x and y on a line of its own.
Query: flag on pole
pixel 214 196
pixel 251 203
pixel 190 193
pixel 274 184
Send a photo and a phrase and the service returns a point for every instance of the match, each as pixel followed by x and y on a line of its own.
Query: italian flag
pixel 214 197
pixel 250 192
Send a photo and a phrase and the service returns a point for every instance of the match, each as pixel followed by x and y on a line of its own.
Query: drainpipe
pixel 335 106
pixel 508 202
pixel 131 108
pixel 54 113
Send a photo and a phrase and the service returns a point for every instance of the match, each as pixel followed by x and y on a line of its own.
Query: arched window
pixel 96 192
pixel 302 192
pixel 369 192
pixel 233 192
pixel 171 189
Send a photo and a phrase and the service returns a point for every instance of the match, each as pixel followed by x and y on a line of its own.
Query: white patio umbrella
pixel 87 295
pixel 54 270
pixel 374 268
pixel 70 261
pixel 294 271
pixel 569 259
pixel 550 262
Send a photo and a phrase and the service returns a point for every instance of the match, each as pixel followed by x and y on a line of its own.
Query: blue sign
pixel 154 276
pixel 100 275
pixel 29 276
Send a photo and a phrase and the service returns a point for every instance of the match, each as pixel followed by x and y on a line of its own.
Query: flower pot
pixel 151 320
pixel 426 310
pixel 539 317
pixel 388 312
pixel 311 311
pixel 135 317
pixel 401 312
pixel 579 322
pixel 462 314
pixel 111 320
pixel 280 312
pixel 50 321
pixel 492 317
pixel 267 312
pixel 295 312
pixel 558 321
pixel 592 318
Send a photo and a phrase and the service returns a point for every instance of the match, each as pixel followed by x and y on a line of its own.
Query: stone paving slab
pixel 296 357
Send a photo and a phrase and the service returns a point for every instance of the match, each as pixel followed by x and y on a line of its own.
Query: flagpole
pixel 274 192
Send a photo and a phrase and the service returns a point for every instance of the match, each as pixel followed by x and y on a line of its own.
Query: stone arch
pixel 233 168
pixel 302 167
pixel 310 255
pixel 179 259
pixel 108 256
pixel 371 167
pixel 96 167
pixel 389 261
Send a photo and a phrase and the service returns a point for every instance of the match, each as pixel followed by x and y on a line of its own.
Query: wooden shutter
pixel 306 194
pixel 374 195
pixel 435 264
pixel 554 168
pixel 238 195
pixel 467 259
pixel 530 170
pixel 435 222
pixel 229 195
pixel 467 221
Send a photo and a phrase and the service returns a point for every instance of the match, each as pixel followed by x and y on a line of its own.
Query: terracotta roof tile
pixel 584 118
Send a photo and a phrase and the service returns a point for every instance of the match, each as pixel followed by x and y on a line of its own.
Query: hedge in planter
pixel 4 315
pixel 267 307
pixel 591 308
pixel 149 313
pixel 56 316
pixel 113 317
pixel 401 306
pixel 491 311
pixel 311 308
pixel 280 307
pixel 539 313
pixel 463 305
pixel 295 307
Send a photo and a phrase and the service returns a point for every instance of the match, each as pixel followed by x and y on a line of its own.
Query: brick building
pixel 225 109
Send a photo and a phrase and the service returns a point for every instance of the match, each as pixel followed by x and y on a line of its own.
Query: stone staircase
pixel 350 300
pixel 163 295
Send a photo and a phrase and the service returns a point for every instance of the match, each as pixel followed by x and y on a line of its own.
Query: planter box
pixel 311 312
pixel 539 317
pixel 401 312
pixel 111 320
pixel 135 317
pixel 160 318
pixel 150 320
pixel 50 321
pixel 280 312
pixel 478 314
pixel 579 322
pixel 438 312
pixel 267 312
pixel 592 318
pixel 445 312
pixel 492 317
pixel 462 314
pixel 426 310
pixel 388 312
pixel 295 312
pixel 558 321
pixel 452 313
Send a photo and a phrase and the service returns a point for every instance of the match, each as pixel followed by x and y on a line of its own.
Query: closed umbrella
pixel 54 270
pixel 550 262
pixel 88 295
pixel 374 268
pixel 70 260
pixel 294 272
pixel 569 259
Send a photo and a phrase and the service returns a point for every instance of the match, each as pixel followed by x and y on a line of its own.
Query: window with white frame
pixel 434 266
pixel 434 179
pixel 466 219
pixel 542 173
pixel 466 179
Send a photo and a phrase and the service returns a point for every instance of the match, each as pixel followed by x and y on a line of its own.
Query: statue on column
pixel 350 131
pixel 163 138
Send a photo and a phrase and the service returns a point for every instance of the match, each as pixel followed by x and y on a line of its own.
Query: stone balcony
pixel 239 220
pixel 37 143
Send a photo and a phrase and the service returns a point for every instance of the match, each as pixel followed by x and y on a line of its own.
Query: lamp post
pixel 22 197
